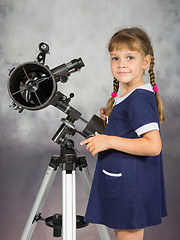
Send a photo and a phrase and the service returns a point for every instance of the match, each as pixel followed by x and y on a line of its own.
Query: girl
pixel 128 193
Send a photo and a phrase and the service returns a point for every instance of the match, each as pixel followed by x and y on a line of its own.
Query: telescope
pixel 33 86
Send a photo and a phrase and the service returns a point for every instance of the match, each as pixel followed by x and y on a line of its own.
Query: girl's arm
pixel 147 145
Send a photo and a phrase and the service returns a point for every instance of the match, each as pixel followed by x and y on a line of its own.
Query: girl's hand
pixel 102 113
pixel 96 144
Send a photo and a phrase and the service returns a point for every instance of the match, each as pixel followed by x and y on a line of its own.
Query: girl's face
pixel 128 66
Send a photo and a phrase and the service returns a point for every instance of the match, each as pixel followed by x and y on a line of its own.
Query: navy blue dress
pixel 128 190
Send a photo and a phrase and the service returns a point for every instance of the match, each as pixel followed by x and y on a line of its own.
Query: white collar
pixel 147 87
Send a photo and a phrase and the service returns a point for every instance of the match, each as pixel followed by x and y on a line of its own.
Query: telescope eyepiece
pixel 75 64
pixel 78 63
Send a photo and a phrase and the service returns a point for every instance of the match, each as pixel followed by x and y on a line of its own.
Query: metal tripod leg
pixel 39 203
pixel 69 206
pixel 87 182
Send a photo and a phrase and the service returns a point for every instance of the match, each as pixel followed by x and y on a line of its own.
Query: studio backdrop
pixel 77 33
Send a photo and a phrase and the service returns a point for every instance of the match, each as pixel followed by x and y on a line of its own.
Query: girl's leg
pixel 129 234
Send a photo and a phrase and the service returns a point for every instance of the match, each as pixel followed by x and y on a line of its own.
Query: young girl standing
pixel 128 193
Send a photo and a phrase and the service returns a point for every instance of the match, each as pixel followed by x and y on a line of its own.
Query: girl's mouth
pixel 123 73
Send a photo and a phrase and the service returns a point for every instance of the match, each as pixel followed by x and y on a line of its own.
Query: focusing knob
pixel 63 78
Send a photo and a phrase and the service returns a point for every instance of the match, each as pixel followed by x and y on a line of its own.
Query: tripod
pixel 68 221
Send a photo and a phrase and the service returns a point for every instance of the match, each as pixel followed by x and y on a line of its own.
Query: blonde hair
pixel 136 40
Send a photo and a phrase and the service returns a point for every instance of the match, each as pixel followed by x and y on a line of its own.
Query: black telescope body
pixel 33 86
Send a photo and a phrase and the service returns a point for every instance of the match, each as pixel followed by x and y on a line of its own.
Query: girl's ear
pixel 147 61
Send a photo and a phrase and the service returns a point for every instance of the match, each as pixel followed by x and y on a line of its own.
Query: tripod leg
pixel 87 182
pixel 69 206
pixel 39 203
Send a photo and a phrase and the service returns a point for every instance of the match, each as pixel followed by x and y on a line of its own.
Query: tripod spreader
pixel 55 222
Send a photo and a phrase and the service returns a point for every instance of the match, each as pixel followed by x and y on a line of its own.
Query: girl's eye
pixel 130 58
pixel 114 59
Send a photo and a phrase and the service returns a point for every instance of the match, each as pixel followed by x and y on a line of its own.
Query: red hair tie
pixel 155 88
pixel 113 94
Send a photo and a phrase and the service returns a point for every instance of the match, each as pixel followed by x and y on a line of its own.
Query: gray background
pixel 73 29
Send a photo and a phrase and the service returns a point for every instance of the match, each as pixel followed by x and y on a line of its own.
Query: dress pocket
pixel 111 184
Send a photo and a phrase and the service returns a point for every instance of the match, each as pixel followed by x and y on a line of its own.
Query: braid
pixel 151 71
pixel 109 106
pixel 157 95
pixel 115 85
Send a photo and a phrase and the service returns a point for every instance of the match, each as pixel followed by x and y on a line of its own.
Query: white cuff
pixel 107 119
pixel 146 128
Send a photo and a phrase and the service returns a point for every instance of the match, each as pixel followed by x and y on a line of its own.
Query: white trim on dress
pixel 146 128
pixel 112 174
pixel 147 87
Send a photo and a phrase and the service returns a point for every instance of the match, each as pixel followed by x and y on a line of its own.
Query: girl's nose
pixel 121 64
